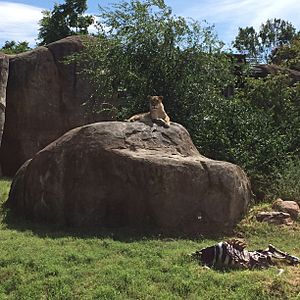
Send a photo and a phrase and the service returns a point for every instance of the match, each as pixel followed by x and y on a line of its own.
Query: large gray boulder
pixel 44 100
pixel 116 174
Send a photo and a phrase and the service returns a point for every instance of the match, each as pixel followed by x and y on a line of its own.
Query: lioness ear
pixel 161 98
pixel 149 97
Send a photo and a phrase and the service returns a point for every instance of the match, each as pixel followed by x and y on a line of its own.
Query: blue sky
pixel 18 18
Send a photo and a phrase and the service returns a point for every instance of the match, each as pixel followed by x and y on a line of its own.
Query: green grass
pixel 40 262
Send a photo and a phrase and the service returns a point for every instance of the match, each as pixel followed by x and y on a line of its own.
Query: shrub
pixel 143 49
pixel 287 184
pixel 264 127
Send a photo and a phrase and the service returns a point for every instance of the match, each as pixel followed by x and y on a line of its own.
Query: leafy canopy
pixel 64 20
pixel 264 127
pixel 143 49
pixel 13 47
pixel 288 55
pixel 258 46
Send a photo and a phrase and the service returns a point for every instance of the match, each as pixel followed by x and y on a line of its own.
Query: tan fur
pixel 156 113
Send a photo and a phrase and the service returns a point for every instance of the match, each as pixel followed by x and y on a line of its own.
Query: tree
pixel 13 47
pixel 64 20
pixel 143 49
pixel 259 46
pixel 288 55
pixel 247 42
pixel 263 133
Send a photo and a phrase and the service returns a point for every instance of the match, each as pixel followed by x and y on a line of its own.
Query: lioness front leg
pixel 161 122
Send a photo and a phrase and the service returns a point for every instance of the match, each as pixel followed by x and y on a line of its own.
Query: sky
pixel 19 18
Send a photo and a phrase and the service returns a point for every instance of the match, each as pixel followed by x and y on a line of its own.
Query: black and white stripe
pixel 233 254
pixel 217 255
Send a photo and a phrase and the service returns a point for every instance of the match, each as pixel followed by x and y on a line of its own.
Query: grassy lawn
pixel 38 262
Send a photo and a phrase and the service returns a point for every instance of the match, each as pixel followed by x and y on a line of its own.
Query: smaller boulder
pixel 274 217
pixel 290 207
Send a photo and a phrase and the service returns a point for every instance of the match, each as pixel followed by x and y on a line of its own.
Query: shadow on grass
pixel 124 234
pixel 12 220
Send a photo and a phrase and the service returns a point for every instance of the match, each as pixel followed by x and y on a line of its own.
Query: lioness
pixel 156 114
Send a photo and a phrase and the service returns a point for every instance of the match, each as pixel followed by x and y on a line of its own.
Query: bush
pixel 287 184
pixel 143 49
pixel 261 125
pixel 288 55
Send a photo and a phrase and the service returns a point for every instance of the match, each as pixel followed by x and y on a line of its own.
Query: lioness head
pixel 155 101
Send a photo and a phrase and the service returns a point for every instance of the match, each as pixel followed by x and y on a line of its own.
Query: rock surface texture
pixel 4 62
pixel 44 98
pixel 290 207
pixel 119 174
pixel 274 217
pixel 264 70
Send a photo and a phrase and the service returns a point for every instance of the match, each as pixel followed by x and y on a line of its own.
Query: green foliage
pixel 13 47
pixel 260 127
pixel 258 46
pixel 287 184
pixel 160 54
pixel 64 20
pixel 38 262
pixel 143 49
pixel 247 42
pixel 288 55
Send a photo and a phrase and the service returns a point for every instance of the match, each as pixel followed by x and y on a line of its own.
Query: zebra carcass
pixel 233 254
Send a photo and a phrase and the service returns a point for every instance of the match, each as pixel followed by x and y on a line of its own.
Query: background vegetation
pixel 12 47
pixel 65 19
pixel 260 46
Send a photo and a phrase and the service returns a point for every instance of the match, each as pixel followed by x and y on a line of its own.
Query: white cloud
pixel 19 22
pixel 228 15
